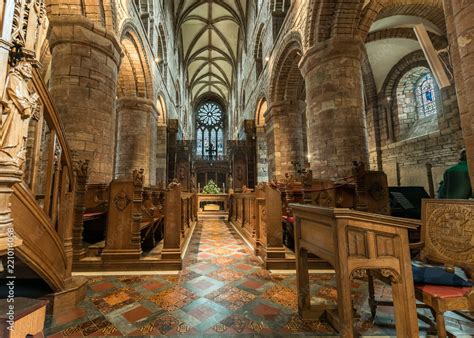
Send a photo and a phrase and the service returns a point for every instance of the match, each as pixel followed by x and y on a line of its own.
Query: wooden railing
pixel 42 205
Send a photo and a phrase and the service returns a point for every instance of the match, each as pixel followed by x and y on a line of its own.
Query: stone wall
pixel 412 142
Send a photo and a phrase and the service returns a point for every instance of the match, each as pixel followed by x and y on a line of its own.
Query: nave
pixel 222 290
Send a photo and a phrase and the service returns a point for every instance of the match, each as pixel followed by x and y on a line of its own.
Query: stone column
pixel 262 162
pixel 460 25
pixel 161 152
pixel 335 106
pixel 283 122
pixel 136 137
pixel 85 60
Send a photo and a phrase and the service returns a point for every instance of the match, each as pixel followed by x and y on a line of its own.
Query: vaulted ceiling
pixel 210 31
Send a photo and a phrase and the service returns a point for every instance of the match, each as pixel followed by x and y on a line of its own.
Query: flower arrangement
pixel 211 188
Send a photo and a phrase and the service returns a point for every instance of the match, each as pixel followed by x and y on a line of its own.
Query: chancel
pixel 236 167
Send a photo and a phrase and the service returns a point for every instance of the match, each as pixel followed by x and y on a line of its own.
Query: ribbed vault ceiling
pixel 210 31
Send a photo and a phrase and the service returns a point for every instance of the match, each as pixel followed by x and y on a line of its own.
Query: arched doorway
pixel 261 140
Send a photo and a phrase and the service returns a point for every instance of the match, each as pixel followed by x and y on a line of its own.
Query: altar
pixel 213 206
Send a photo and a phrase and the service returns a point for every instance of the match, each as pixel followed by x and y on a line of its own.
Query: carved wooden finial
pixel 138 176
pixel 173 184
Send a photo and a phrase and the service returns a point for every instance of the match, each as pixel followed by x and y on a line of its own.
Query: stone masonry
pixel 335 107
pixel 85 59
pixel 137 128
pixel 285 144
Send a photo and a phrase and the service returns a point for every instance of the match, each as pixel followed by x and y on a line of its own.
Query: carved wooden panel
pixel 357 243
pixel 385 245
pixel 448 231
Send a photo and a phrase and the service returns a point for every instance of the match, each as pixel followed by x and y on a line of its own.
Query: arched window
pixel 418 102
pixel 210 131
pixel 425 96
pixel 258 52
pixel 161 52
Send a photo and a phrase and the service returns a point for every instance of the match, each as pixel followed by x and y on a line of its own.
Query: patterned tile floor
pixel 222 291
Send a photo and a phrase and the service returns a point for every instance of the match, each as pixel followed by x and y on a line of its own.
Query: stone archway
pixel 261 140
pixel 285 117
pixel 136 112
pixel 161 143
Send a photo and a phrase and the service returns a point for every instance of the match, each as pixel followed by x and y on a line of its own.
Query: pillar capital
pixel 277 107
pixel 137 103
pixel 347 47
pixel 80 30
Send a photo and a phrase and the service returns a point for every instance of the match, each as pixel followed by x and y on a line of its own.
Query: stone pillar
pixel 136 137
pixel 335 106
pixel 283 122
pixel 262 162
pixel 161 152
pixel 85 60
pixel 460 25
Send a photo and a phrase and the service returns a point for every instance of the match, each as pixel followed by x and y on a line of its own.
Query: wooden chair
pixel 447 239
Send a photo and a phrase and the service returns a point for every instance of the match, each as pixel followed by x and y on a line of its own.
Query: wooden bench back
pixel 96 197
pixel 448 232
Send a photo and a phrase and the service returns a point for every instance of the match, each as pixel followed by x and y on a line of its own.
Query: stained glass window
pixel 209 131
pixel 426 96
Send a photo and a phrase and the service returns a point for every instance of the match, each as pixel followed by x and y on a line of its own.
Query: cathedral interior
pixel 237 167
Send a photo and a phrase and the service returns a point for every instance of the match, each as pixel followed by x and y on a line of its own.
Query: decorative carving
pixel 377 191
pixel 392 274
pixel 359 274
pixel 28 17
pixel 20 105
pixel 81 168
pixel 323 199
pixel 121 201
pixel 173 184
pixel 138 176
pixel 57 156
pixel 451 231
pixel 288 180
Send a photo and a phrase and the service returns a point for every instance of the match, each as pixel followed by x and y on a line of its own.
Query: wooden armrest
pixel 144 225
pixel 418 245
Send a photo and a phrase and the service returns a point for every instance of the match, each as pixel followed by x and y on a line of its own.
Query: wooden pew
pixel 152 224
pixel 95 212
pixel 350 241
pixel 138 219
pixel 257 217
pixel 180 218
